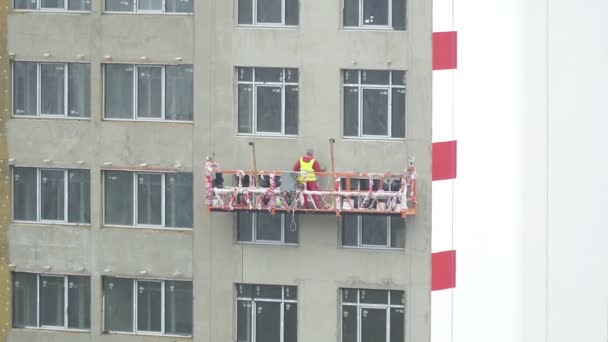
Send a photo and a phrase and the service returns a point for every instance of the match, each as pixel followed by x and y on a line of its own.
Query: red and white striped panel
pixel 444 171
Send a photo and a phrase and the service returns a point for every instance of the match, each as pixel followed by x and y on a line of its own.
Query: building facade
pixel 113 106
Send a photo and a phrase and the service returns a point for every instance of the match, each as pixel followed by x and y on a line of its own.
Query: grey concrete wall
pixel 212 42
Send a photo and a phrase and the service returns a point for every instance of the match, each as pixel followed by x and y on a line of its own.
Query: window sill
pixel 268 26
pixel 278 136
pixel 376 248
pixel 52 223
pixel 267 243
pixel 57 329
pixel 52 11
pixel 146 334
pixel 371 138
pixel 50 117
pixel 149 228
pixel 149 120
pixel 372 29
pixel 147 13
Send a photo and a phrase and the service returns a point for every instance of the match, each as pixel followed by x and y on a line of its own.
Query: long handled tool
pixel 255 165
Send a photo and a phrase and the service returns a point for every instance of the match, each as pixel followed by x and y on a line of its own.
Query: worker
pixel 310 165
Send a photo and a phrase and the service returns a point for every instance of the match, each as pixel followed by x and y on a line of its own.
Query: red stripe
pixel 445 50
pixel 443 270
pixel 444 160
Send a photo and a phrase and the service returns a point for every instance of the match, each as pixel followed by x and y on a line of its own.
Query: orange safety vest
pixel 310 171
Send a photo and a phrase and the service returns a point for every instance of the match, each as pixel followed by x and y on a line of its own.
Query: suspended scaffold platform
pixel 340 192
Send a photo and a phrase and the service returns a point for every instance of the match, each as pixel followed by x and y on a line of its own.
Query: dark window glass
pixel 179 92
pixel 399 14
pixel 268 74
pixel 24 299
pixel 349 230
pixel 120 5
pixel 378 77
pixel 351 111
pixel 245 74
pixel 291 109
pixel 245 11
pixel 179 6
pixel 268 109
pixel 149 198
pixel 269 11
pixel 25 87
pixel 375 12
pixel 374 230
pixel 118 304
pixel 52 195
pixel 268 227
pixel 79 196
pixel 290 319
pixel 397 297
pixel 79 302
pixel 79 5
pixel 52 87
pixel 118 197
pixel 291 12
pixel 351 13
pixel 351 76
pixel 118 90
pixel 375 109
pixel 178 200
pixel 373 296
pixel 397 325
pixel 149 306
pixel 79 90
pixel 290 292
pixel 149 91
pixel 24 193
pixel 397 232
pixel 349 295
pixel 244 226
pixel 25 4
pixel 243 321
pixel 245 108
pixel 245 290
pixel 52 301
pixel 398 113
pixel 349 323
pixel 178 307
pixel 373 325
pixel 268 315
pixel 268 291
pixel 291 229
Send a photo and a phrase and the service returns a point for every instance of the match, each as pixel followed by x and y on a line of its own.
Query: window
pixel 372 231
pixel 373 315
pixel 374 14
pixel 150 6
pixel 53 5
pixel 51 195
pixel 149 92
pixel 267 228
pixel 153 200
pixel 374 104
pixel 268 101
pixel 147 306
pixel 267 313
pixel 51 301
pixel 268 12
pixel 52 89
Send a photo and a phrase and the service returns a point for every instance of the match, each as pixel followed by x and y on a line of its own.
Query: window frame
pixel 255 241
pixel 135 97
pixel 39 219
pixel 136 10
pixel 135 329
pixel 361 87
pixel 362 27
pixel 254 17
pixel 39 8
pixel 283 84
pixel 135 202
pixel 65 326
pixel 253 301
pixel 360 306
pixel 361 245
pixel 66 89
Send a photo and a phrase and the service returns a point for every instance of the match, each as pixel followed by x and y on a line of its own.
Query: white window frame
pixel 65 303
pixel 254 17
pixel 360 243
pixel 135 330
pixel 136 10
pixel 135 202
pixel 361 87
pixel 39 197
pixel 361 306
pixel 66 90
pixel 49 10
pixel 253 301
pixel 267 242
pixel 254 115
pixel 136 95
pixel 363 26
